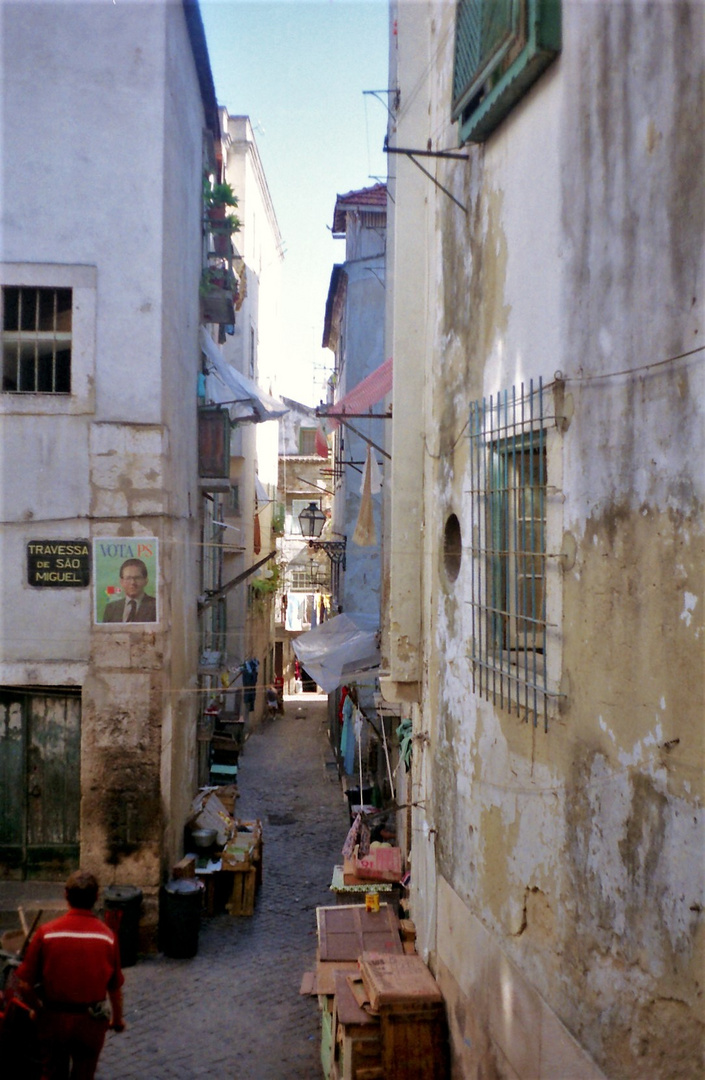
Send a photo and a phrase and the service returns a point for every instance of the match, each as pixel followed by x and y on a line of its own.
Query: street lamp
pixel 312 520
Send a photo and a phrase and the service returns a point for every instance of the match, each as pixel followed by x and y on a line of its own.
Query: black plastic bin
pixel 123 906
pixel 355 800
pixel 180 918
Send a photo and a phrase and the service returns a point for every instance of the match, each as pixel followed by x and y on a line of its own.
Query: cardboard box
pixel 380 864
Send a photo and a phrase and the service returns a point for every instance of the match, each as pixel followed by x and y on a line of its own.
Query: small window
pixel 36 340
pixel 307 441
pixel 307 578
pixel 509 497
pixel 234 500
pixel 501 48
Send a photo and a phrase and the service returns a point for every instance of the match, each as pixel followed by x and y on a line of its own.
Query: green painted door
pixel 40 739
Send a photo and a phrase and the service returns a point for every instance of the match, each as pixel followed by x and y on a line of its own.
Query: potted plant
pixel 216 197
pixel 216 291
pixel 222 231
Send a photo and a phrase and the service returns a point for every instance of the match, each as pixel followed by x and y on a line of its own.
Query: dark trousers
pixel 70 1045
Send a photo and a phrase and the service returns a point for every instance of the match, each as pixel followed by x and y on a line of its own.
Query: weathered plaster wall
pixel 577 851
pixel 114 204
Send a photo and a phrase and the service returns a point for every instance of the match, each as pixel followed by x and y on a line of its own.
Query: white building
pixel 242 628
pixel 109 117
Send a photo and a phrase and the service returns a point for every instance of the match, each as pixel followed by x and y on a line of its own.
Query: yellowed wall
pixel 575 854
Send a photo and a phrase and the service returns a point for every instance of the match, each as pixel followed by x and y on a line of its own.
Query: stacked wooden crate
pixel 382 1013
pixel 241 859
pixel 402 992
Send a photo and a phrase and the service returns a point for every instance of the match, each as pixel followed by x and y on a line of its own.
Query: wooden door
pixel 40 738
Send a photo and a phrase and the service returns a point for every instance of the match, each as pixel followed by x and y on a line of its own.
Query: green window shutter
pixel 501 48
pixel 483 34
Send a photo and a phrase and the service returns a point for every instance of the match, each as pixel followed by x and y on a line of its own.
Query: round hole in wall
pixel 452 547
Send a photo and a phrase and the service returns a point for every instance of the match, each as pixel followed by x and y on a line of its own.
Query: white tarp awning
pixel 243 397
pixel 340 650
pixel 261 496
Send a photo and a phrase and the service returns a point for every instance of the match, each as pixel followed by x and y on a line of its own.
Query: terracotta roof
pixel 371 198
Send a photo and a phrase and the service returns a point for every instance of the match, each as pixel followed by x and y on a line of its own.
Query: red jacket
pixel 75 959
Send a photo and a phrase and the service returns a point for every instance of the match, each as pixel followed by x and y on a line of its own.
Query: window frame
pixel 82 280
pixel 514 647
pixel 494 66
pixel 36 339
pixel 307 433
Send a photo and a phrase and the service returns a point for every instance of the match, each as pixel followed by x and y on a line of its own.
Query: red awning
pixel 363 396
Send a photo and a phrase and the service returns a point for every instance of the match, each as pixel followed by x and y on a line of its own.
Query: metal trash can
pixel 180 918
pixel 123 906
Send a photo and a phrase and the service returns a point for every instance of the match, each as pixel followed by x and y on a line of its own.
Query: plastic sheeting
pixel 340 650
pixel 244 398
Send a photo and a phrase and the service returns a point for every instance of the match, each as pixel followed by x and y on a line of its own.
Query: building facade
pixel 101 260
pixel 354 332
pixel 240 364
pixel 544 552
pixel 304 597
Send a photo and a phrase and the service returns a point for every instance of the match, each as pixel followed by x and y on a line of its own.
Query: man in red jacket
pixel 73 964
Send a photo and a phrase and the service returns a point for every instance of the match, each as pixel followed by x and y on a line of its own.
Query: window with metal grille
pixel 501 48
pixel 508 499
pixel 36 340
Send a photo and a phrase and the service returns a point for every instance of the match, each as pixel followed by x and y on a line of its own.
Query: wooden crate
pixel 242 895
pixel 347 931
pixel 404 993
pixel 414 1044
pixel 358 1043
pixel 400 981
pixel 327 1036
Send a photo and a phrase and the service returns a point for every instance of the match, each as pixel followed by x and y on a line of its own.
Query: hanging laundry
pixel 347 737
pixel 365 534
pixel 405 736
pixel 294 613
pixel 249 679
pixel 359 834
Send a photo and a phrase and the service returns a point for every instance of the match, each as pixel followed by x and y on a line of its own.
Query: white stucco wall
pixel 102 136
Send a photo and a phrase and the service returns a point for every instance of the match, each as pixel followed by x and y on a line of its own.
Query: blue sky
pixel 298 69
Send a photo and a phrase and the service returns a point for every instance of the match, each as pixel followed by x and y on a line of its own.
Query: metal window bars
pixel 508 516
pixel 36 333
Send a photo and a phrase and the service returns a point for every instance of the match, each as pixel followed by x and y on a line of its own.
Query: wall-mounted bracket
pixel 414 154
pixel 334 549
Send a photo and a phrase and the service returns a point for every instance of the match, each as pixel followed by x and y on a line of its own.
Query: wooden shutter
pixel 501 48
pixel 484 31
pixel 213 442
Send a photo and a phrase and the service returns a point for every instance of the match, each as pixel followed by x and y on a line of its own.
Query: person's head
pixel 81 890
pixel 133 578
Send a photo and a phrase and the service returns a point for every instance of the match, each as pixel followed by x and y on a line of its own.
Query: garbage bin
pixel 358 800
pixel 180 918
pixel 123 904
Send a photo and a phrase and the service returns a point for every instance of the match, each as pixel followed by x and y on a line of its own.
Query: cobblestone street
pixel 234 1010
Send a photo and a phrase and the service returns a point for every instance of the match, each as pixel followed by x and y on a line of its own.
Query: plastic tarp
pixel 261 496
pixel 339 650
pixel 243 397
pixel 363 396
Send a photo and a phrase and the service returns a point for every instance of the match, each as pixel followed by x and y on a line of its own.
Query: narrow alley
pixel 234 1010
